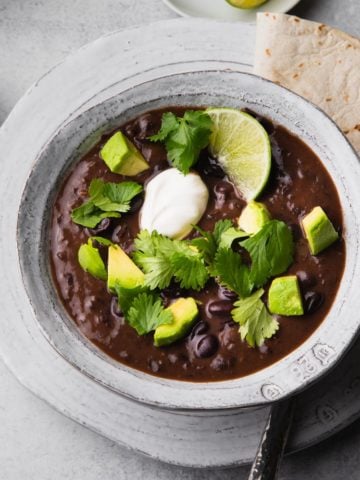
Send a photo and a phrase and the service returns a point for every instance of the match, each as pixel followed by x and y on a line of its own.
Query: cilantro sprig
pixel 232 273
pixel 271 251
pixel 106 200
pixel 208 242
pixel 163 259
pixel 184 137
pixel 256 323
pixel 147 313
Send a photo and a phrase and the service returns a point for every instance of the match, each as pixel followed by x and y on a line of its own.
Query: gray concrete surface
pixel 35 441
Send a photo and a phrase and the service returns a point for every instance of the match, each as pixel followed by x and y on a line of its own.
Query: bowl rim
pixel 268 392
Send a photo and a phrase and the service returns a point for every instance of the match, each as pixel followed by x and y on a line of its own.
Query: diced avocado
pixel 318 230
pixel 122 270
pixel 184 311
pixel 284 296
pixel 253 217
pixel 121 156
pixel 90 260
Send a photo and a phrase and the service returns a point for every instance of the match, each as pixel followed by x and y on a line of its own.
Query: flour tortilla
pixel 316 61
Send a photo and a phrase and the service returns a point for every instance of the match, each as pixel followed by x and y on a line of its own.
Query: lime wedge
pixel 242 147
pixel 246 3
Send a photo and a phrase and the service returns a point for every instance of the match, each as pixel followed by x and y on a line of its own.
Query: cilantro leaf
pixel 158 270
pixel 220 227
pixel 126 296
pixel 162 259
pixel 256 323
pixel 147 313
pixel 208 242
pixel 169 124
pixel 108 196
pixel 106 200
pixel 231 272
pixel 184 137
pixel 230 235
pixel 271 251
pixel 151 255
pixel 189 270
pixel 88 215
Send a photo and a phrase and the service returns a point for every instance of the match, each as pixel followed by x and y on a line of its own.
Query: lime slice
pixel 242 147
pixel 246 3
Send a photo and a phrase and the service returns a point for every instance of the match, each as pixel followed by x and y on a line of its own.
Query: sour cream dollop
pixel 173 203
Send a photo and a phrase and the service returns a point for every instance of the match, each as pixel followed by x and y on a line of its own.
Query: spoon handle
pixel 273 441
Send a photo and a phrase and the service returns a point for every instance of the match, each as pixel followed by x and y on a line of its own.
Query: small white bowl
pixel 297 370
pixel 221 10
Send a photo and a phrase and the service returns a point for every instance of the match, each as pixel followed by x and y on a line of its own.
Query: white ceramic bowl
pixel 220 9
pixel 294 372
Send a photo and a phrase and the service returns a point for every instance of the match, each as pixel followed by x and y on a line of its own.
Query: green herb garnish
pixel 162 259
pixel 230 235
pixel 209 242
pixel 126 296
pixel 184 137
pixel 271 251
pixel 147 313
pixel 232 273
pixel 256 323
pixel 88 215
pixel 106 200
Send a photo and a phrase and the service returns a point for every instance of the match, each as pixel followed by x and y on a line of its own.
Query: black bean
pixel 120 234
pixel 172 291
pixel 146 126
pixel 210 167
pixel 69 279
pixel 221 363
pixel 128 246
pixel 131 129
pixel 199 329
pixel 228 294
pixel 313 301
pixel 115 309
pixel 136 203
pixel 206 346
pixel 229 335
pixel 101 227
pixel 220 307
pixel 268 126
pixel 61 256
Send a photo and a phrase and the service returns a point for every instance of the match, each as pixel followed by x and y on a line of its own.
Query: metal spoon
pixel 273 441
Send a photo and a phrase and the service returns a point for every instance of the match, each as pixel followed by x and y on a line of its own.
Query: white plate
pixel 220 9
pixel 188 439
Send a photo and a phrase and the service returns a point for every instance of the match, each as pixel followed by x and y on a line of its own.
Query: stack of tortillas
pixel 316 61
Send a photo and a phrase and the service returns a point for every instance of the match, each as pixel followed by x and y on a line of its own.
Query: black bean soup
pixel 213 350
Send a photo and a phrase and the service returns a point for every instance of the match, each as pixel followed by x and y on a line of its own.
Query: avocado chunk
pixel 253 217
pixel 184 312
pixel 90 260
pixel 319 231
pixel 122 270
pixel 284 296
pixel 122 157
